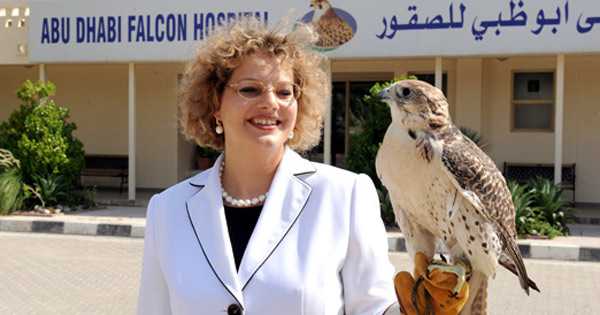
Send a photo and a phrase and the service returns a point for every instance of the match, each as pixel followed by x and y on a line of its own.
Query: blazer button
pixel 234 309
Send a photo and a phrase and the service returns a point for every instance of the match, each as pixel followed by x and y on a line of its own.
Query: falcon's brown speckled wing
pixel 474 171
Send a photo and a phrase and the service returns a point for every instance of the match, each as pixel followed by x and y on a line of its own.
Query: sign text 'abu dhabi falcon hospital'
pixel 153 30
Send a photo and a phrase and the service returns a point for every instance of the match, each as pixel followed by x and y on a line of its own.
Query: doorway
pixel 347 91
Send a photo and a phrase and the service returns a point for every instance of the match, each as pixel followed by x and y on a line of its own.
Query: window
pixel 533 101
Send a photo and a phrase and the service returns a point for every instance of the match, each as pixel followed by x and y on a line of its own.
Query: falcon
pixel 445 191
pixel 332 29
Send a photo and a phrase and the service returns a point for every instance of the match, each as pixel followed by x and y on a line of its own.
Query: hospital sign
pixel 152 30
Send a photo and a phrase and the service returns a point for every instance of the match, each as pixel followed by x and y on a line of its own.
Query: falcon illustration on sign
pixel 334 26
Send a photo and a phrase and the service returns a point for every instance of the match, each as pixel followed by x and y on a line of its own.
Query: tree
pixel 41 138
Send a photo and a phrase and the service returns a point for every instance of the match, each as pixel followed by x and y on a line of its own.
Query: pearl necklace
pixel 251 202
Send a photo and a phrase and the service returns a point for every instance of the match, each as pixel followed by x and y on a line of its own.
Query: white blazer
pixel 319 247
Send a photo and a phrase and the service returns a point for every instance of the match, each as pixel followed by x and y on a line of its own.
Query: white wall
pixel 97 98
pixel 583 128
pixel 468 107
pixel 157 150
pixel 96 95
pixel 11 78
pixel 581 142
pixel 13 36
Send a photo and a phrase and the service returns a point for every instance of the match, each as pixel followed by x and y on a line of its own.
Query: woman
pixel 263 231
pixel 318 245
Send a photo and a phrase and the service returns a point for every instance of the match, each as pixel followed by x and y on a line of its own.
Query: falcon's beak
pixel 385 94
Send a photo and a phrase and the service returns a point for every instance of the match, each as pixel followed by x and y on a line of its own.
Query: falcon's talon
pixel 460 269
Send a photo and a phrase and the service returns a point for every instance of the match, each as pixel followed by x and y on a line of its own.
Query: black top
pixel 241 223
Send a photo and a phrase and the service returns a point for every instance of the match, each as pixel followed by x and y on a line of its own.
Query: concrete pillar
pixel 42 72
pixel 468 107
pixel 438 72
pixel 131 102
pixel 559 118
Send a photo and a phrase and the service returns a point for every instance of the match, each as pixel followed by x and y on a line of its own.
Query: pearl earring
pixel 291 135
pixel 219 128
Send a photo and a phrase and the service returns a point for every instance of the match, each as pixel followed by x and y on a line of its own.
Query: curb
pixel 396 242
pixel 587 220
pixel 528 250
pixel 71 228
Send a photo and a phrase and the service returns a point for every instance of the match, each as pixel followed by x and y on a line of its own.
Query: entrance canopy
pixel 156 30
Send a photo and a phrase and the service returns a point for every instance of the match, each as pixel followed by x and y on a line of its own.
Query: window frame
pixel 514 102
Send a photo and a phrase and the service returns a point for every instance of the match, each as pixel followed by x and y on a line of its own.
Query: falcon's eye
pixel 405 92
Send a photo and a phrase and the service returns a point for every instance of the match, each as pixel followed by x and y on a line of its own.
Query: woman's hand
pixel 439 288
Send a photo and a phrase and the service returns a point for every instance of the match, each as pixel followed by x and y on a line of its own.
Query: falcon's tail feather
pixel 512 250
pixel 510 266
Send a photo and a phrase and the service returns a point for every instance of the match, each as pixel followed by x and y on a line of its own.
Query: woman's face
pixel 255 120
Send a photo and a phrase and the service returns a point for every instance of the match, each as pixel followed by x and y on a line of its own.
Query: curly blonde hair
pixel 208 73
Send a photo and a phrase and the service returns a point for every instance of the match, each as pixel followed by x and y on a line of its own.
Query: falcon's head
pixel 320 4
pixel 417 105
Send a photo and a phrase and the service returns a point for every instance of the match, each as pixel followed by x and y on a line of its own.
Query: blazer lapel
pixel 285 201
pixel 207 217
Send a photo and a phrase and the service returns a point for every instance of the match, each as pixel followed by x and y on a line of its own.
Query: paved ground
pixel 56 274
pixel 66 274
pixel 102 212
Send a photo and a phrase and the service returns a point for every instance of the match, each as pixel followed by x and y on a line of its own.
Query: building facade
pixel 524 74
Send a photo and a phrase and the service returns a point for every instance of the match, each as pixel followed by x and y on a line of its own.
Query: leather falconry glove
pixel 437 287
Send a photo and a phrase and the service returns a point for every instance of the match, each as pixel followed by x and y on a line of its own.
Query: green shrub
pixel 52 189
pixel 522 197
pixel 474 136
pixel 11 190
pixel 371 119
pixel 543 228
pixel 41 138
pixel 547 198
pixel 539 208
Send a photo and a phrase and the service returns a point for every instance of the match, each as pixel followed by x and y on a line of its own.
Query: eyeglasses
pixel 254 89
